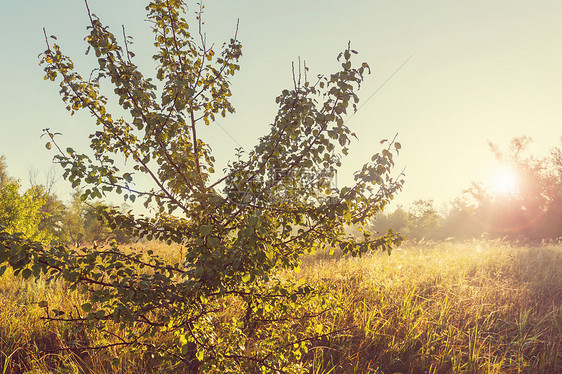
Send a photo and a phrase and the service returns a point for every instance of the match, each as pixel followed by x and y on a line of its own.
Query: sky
pixel 477 71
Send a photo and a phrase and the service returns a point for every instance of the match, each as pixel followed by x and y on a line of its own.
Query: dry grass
pixel 470 308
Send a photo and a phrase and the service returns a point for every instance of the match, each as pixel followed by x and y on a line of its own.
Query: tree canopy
pixel 224 305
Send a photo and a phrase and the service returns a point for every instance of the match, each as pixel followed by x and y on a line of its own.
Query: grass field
pixel 478 307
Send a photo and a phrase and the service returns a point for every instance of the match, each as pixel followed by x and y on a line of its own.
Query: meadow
pixel 472 307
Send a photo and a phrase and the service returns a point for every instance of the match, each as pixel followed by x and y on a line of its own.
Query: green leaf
pixel 15 249
pixel 205 229
pixel 58 313
pixel 86 307
pixel 26 273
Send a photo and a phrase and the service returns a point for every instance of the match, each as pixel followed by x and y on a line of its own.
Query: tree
pixel 225 308
pixel 21 212
pixel 421 220
pixel 424 221
pixel 74 225
pixel 4 178
pixel 397 220
pixel 95 231
pixel 459 221
pixel 52 212
pixel 553 219
pixel 533 209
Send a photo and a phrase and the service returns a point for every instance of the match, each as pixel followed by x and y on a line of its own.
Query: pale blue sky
pixel 482 70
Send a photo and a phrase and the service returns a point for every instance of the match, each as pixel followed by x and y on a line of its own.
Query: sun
pixel 504 180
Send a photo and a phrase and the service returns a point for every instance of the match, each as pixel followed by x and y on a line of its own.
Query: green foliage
pixel 424 220
pixel 22 212
pixel 74 224
pixel 40 215
pixel 36 213
pixel 420 220
pixel 53 213
pixel 223 305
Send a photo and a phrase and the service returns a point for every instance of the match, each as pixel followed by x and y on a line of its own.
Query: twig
pixel 126 44
pixel 381 86
pixel 89 14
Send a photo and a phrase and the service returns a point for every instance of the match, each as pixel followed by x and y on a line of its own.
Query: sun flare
pixel 504 180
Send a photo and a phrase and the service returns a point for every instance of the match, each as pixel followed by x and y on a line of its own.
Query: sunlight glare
pixel 504 180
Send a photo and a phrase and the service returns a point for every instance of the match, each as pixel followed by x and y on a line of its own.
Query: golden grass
pixel 463 308
pixel 470 308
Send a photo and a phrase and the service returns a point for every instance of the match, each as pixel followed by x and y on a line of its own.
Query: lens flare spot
pixel 504 180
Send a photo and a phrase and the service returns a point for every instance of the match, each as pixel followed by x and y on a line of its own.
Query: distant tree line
pixel 41 215
pixel 533 211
